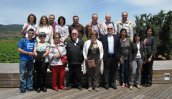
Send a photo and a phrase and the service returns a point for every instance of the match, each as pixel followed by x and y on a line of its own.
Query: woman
pixel 45 27
pixel 41 51
pixel 62 28
pixel 137 59
pixel 125 55
pixel 30 24
pixel 57 50
pixel 151 47
pixel 93 49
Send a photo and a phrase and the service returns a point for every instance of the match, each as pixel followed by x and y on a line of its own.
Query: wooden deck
pixel 156 91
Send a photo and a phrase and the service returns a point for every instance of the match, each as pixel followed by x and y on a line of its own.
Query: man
pixel 75 58
pixel 105 24
pixel 25 47
pixel 110 43
pixel 52 22
pixel 93 26
pixel 76 25
pixel 125 23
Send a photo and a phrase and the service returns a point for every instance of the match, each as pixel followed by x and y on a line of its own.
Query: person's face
pixel 42 37
pixel 75 20
pixel 124 16
pixel 57 39
pixel 149 32
pixel 61 21
pixel 74 35
pixel 94 18
pixel 44 21
pixel 123 34
pixel 93 35
pixel 30 34
pixel 51 19
pixel 108 18
pixel 110 30
pixel 137 38
pixel 31 19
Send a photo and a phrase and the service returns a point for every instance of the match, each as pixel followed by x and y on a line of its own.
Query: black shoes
pixel 68 88
pixel 44 89
pixel 106 87
pixel 38 90
pixel 80 87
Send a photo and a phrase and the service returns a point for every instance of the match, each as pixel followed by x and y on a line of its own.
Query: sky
pixel 17 11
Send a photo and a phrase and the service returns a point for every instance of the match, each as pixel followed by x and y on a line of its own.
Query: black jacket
pixel 74 53
pixel 135 50
pixel 104 40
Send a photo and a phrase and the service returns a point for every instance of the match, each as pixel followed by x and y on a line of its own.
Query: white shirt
pixel 30 26
pixel 49 33
pixel 138 52
pixel 111 44
pixel 77 40
pixel 63 30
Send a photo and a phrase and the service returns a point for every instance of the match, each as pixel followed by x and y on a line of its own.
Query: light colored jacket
pixel 59 51
pixel 85 53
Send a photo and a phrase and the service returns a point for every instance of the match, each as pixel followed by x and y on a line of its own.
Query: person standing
pixel 105 24
pixel 110 43
pixel 75 58
pixel 93 50
pixel 76 25
pixel 25 47
pixel 151 48
pixel 124 57
pixel 62 28
pixel 41 51
pixel 44 26
pixel 52 22
pixel 93 26
pixel 125 23
pixel 137 60
pixel 30 24
pixel 57 51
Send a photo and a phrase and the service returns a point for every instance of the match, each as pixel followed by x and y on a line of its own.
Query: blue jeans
pixel 124 72
pixel 26 67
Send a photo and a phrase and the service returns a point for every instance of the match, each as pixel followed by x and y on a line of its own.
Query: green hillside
pixel 12 28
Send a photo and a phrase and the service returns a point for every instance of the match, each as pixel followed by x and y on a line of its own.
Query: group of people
pixel 108 47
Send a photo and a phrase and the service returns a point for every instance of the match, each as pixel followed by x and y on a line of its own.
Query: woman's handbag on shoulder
pixel 91 63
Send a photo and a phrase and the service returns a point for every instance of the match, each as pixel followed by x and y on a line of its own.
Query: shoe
pixel 56 89
pixel 138 86
pixel 29 89
pixel 80 87
pixel 44 89
pixel 68 88
pixel 114 87
pixel 123 85
pixel 106 87
pixel 89 89
pixel 38 90
pixel 131 87
pixel 126 85
pixel 22 91
pixel 96 89
pixel 62 88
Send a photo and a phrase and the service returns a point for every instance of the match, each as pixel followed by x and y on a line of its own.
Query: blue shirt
pixel 26 45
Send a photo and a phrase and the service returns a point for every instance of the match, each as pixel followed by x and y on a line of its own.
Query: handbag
pixel 91 63
pixel 63 58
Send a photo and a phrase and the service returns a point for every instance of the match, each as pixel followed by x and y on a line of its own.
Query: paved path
pixel 156 91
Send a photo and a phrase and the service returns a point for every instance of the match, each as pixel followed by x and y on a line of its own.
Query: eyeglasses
pixel 110 28
pixel 93 34
pixel 42 36
pixel 56 37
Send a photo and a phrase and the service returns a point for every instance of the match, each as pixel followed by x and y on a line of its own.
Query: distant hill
pixel 10 29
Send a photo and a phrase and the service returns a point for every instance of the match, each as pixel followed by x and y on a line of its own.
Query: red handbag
pixel 64 59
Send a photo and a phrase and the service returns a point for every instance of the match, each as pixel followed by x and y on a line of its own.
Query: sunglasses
pixel 56 37
pixel 42 36
pixel 93 34
pixel 110 28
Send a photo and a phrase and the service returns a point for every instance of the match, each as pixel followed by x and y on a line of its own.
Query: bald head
pixel 94 17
